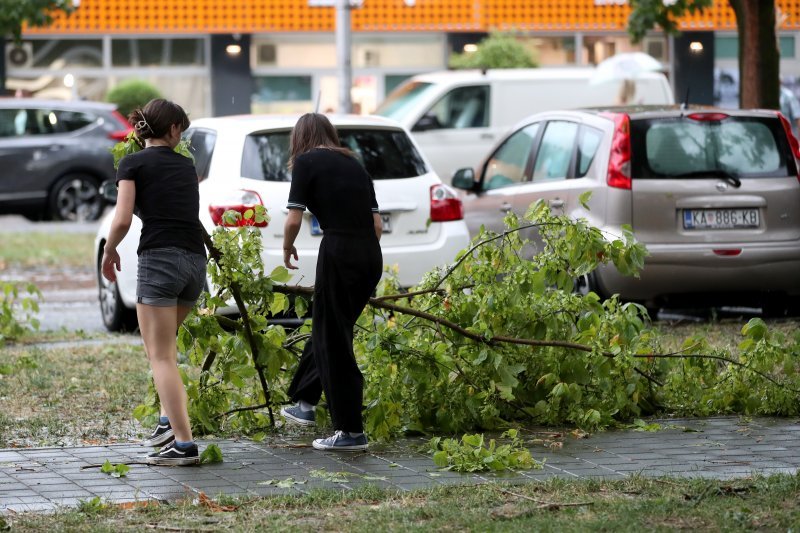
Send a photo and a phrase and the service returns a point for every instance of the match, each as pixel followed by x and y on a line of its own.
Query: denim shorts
pixel 170 276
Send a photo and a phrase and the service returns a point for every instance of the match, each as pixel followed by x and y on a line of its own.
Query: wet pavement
pixel 41 479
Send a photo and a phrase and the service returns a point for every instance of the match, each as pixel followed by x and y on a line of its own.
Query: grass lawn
pixel 70 396
pixel 635 505
pixel 31 250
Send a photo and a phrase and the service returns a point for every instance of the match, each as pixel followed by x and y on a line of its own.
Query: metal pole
pixel 343 50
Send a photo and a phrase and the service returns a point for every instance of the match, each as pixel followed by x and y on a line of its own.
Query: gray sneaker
pixel 341 442
pixel 298 416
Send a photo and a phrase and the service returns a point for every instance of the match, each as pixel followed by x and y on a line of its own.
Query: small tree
pixel 759 57
pixel 16 13
pixel 496 51
pixel 132 94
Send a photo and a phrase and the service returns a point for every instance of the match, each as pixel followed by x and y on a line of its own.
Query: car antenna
pixel 319 97
pixel 685 103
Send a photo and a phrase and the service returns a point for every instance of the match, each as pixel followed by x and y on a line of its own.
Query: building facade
pixel 235 56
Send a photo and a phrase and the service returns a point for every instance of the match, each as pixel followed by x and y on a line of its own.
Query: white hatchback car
pixel 242 161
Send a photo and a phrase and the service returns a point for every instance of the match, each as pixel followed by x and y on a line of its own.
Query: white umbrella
pixel 625 67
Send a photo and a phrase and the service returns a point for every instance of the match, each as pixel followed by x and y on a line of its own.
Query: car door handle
pixel 556 203
pixel 487 136
pixel 55 147
pixel 505 207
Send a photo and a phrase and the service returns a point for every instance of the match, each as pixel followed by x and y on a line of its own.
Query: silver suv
pixel 713 194
pixel 54 156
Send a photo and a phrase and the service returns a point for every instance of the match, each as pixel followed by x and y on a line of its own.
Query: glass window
pixel 587 148
pixel 509 163
pixel 73 120
pixel 9 127
pixel 63 53
pixel 202 147
pixel 386 154
pixel 393 81
pixel 463 107
pixel 403 99
pixel 555 151
pixel 22 122
pixel 727 47
pixel 691 148
pixel 282 94
pixel 157 52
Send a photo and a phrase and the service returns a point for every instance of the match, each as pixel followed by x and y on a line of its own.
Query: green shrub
pixel 131 94
pixel 499 50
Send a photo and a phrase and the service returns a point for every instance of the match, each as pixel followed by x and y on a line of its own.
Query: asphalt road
pixel 69 295
pixel 71 299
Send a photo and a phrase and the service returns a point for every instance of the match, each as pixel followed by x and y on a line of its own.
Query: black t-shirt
pixel 336 188
pixel 167 198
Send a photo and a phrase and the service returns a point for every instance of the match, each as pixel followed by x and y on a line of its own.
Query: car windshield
pixel 733 147
pixel 404 98
pixel 385 153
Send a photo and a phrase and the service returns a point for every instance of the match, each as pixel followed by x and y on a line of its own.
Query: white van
pixel 456 116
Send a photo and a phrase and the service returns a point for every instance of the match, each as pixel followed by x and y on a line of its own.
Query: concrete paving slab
pixel 43 479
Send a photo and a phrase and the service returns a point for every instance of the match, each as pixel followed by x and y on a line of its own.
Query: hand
pixel 288 253
pixel 111 264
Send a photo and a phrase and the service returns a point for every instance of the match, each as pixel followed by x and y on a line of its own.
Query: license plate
pixel 386 221
pixel 720 218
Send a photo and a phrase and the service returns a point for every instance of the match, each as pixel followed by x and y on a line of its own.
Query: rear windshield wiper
pixel 730 177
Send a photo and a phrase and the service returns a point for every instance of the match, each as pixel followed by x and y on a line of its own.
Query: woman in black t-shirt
pixel 160 185
pixel 329 181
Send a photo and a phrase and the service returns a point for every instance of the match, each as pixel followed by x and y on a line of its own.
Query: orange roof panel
pixel 263 16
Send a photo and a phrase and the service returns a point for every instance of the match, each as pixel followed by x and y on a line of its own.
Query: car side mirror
pixel 427 122
pixel 108 190
pixel 464 178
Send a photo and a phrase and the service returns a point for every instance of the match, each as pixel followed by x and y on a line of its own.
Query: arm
pixel 290 230
pixel 123 214
pixel 378 223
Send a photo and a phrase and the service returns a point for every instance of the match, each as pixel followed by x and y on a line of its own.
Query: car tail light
pixel 708 117
pixel 445 204
pixel 729 252
pixel 793 144
pixel 240 201
pixel 619 162
pixel 119 135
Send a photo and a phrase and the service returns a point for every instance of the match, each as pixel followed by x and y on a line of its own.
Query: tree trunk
pixel 759 57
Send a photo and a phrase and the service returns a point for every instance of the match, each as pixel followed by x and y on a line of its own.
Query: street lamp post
pixel 344 65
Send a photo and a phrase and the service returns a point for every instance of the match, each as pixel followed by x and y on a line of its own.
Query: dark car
pixel 54 156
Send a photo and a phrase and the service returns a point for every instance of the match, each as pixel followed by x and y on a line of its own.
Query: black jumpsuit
pixel 339 192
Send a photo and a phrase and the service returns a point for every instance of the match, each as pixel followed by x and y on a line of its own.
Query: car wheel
pixel 116 317
pixel 76 197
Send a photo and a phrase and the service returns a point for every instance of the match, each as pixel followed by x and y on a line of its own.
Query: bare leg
pixel 183 312
pixel 158 326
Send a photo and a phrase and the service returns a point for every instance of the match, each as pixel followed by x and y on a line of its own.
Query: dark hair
pixel 155 119
pixel 314 130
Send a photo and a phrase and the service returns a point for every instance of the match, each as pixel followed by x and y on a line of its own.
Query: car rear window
pixel 386 154
pixel 682 147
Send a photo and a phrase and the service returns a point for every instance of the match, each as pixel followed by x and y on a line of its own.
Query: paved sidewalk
pixel 40 479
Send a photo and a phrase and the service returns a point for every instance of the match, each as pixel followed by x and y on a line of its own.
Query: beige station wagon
pixel 714 195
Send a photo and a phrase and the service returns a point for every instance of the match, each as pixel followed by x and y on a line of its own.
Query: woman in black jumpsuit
pixel 330 182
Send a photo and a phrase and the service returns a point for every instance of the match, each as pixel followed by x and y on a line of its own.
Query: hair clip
pixel 142 124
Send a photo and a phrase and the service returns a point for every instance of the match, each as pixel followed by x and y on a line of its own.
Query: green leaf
pixel 280 274
pixel 300 306
pixel 212 454
pixel 584 199
pixel 279 303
